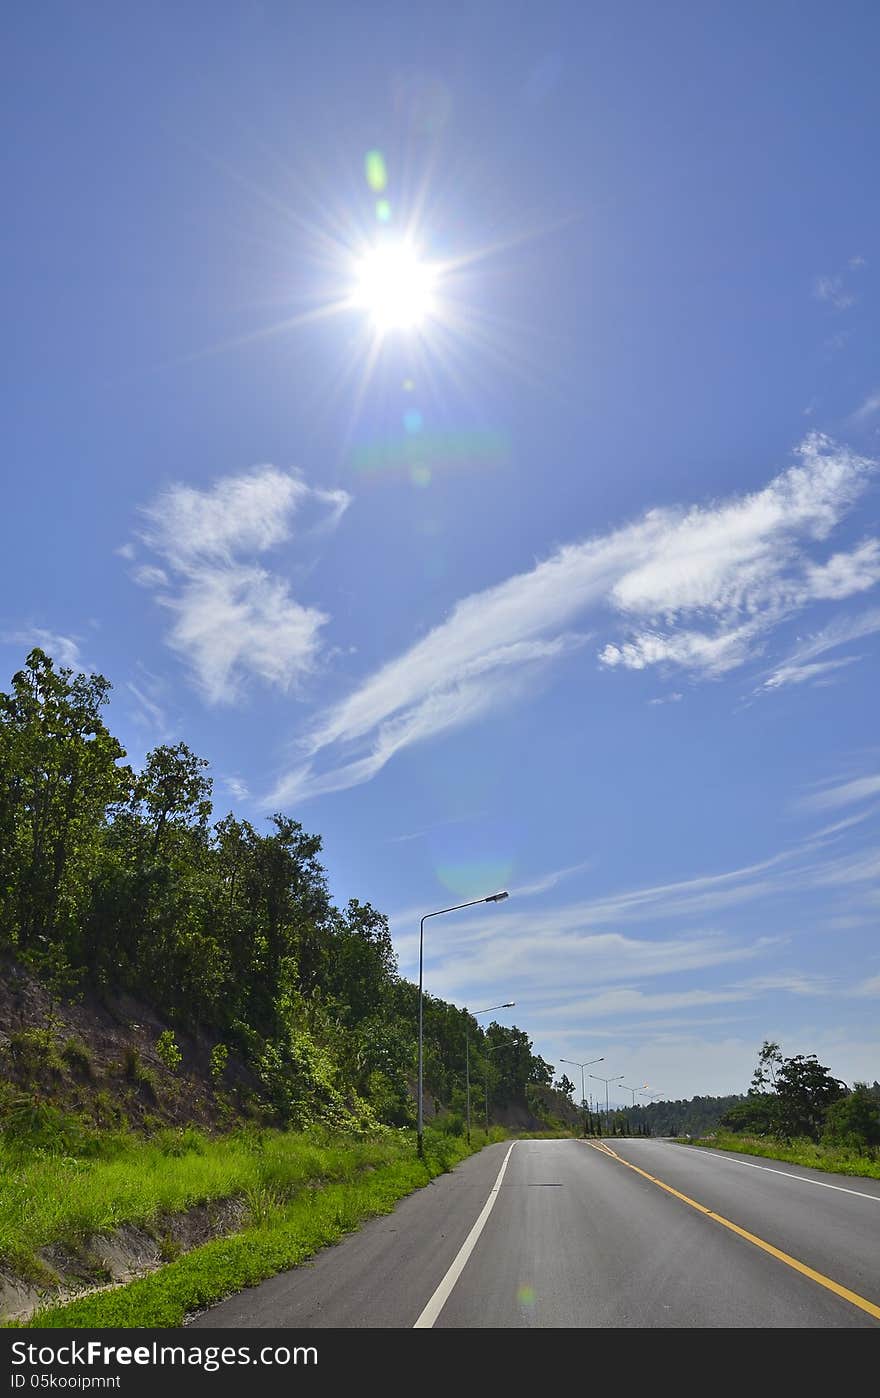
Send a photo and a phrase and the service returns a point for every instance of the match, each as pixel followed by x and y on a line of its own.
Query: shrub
pixel 219 1060
pixel 78 1057
pixel 449 1124
pixel 136 1072
pixel 168 1051
pixel 177 1141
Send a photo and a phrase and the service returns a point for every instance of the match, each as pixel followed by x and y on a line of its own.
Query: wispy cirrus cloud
pixel 64 650
pixel 844 794
pixel 233 619
pixel 551 880
pixel 802 664
pixel 868 408
pixel 832 290
pixel 835 288
pixel 697 589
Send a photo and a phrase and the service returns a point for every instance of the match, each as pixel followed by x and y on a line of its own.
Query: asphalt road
pixel 573 1237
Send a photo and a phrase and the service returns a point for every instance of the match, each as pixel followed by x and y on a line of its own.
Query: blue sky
pixel 571 588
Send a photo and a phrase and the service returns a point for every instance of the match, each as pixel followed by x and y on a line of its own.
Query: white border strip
pixel 841 1188
pixel 442 1294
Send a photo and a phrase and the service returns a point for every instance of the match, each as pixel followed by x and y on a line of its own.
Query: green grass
pixel 288 1232
pixel 49 1198
pixel 836 1160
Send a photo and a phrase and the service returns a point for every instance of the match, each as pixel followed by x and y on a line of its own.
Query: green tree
pixel 853 1120
pixel 59 774
pixel 173 791
pixel 805 1090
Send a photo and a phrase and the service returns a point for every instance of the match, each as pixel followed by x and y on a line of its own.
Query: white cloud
pixel 838 633
pixel 673 698
pixel 148 576
pixel 798 674
pixel 839 826
pixel 126 551
pixel 869 987
pixel 833 290
pixel 702 586
pixel 148 713
pixel 844 574
pixel 870 406
pixel 628 1000
pixel 861 789
pixel 231 618
pixel 237 787
pixel 711 656
pixel 64 650
pixel 548 881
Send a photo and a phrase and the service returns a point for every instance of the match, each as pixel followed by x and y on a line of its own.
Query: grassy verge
pixel 289 1230
pixel 52 1198
pixel 799 1152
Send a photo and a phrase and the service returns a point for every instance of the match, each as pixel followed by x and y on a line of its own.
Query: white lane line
pixel 441 1295
pixel 859 1193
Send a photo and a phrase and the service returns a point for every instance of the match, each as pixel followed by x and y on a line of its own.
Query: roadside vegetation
pixel 301 1194
pixel 836 1159
pixel 118 883
pixel 796 1111
pixel 51 1198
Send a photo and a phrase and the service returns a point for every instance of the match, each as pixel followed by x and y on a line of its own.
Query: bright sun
pixel 395 287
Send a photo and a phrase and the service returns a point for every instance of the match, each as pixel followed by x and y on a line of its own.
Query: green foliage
pixel 135 1071
pixel 120 879
pixel 854 1121
pixel 78 1057
pixel 758 1113
pixel 839 1159
pixel 286 1233
pixel 178 1141
pixel 168 1050
pixel 219 1061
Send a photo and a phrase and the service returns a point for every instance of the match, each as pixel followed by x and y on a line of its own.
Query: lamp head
pixel 497 897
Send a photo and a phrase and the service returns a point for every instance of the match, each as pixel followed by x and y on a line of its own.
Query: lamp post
pixel 606 1081
pixel 492 898
pixel 488 1048
pixel 582 1066
pixel 508 1005
pixel 633 1090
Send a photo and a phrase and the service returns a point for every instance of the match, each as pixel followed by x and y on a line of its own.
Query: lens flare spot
pixel 525 1295
pixel 409 385
pixel 383 211
pixel 413 421
pixel 420 475
pixel 468 879
pixel 374 168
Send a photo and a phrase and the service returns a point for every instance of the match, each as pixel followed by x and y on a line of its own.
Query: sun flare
pixel 395 287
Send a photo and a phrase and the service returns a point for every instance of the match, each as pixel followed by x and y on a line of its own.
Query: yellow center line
pixel 792 1262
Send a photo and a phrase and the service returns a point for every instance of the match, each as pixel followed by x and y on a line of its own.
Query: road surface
pixel 566 1233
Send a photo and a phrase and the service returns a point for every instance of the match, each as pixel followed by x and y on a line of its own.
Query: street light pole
pixel 606 1081
pixel 492 898
pixel 490 1048
pixel 582 1066
pixel 508 1005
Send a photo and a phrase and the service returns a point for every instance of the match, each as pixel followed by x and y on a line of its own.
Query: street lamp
pixel 492 898
pixel 508 1005
pixel 488 1048
pixel 633 1090
pixel 606 1081
pixel 582 1066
